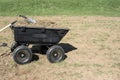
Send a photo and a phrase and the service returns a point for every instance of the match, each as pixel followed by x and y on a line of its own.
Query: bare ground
pixel 93 52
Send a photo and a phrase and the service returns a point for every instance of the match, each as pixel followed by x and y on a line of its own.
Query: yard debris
pixel 5 54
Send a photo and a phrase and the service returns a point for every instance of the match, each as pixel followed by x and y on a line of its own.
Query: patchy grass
pixel 97 55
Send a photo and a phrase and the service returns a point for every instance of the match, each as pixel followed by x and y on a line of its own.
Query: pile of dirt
pixel 39 23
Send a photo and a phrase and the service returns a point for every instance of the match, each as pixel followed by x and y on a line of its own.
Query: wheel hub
pixel 22 55
pixel 55 54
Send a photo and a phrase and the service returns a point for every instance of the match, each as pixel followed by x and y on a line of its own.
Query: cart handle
pixel 9 25
pixel 13 22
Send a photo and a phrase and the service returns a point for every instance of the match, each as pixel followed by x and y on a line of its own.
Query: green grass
pixel 60 7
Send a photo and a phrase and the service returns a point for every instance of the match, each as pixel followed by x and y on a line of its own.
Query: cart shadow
pixel 35 58
pixel 66 46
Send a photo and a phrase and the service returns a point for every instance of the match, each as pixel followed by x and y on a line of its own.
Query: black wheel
pixel 13 46
pixel 55 54
pixel 22 55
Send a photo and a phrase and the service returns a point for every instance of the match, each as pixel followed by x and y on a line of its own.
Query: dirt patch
pixel 95 56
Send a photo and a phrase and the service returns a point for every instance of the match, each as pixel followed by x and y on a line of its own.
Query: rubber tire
pixel 27 51
pixel 13 46
pixel 50 52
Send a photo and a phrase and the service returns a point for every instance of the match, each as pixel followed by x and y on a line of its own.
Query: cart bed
pixel 33 35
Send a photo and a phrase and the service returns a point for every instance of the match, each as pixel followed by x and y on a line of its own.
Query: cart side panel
pixel 38 35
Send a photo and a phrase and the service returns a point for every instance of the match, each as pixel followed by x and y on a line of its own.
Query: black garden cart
pixel 47 37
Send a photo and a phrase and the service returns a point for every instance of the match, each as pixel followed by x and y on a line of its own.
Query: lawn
pixel 92 46
pixel 60 7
